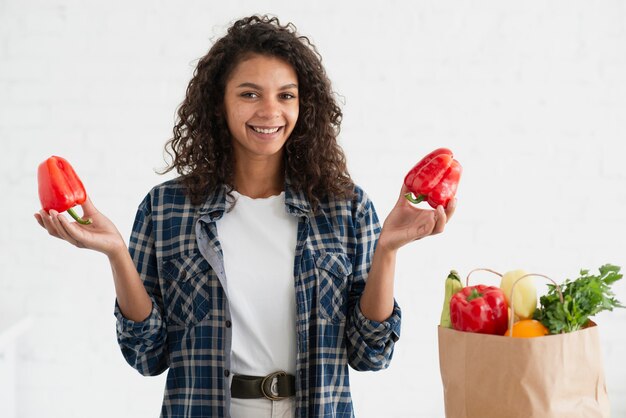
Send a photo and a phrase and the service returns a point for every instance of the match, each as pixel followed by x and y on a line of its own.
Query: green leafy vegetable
pixel 582 299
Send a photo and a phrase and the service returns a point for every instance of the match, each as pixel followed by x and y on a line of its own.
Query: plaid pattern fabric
pixel 178 256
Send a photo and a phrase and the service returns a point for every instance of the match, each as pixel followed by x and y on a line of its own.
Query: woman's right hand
pixel 101 235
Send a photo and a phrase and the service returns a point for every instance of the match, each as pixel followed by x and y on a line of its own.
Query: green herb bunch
pixel 582 299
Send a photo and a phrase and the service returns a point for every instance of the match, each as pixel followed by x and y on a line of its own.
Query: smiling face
pixel 261 106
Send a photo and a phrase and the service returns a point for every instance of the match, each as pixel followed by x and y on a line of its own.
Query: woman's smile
pixel 265 132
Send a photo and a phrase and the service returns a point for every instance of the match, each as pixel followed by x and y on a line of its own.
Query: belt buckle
pixel 266 386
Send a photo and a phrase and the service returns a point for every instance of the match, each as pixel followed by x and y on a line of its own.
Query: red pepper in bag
pixel 434 179
pixel 482 309
pixel 60 188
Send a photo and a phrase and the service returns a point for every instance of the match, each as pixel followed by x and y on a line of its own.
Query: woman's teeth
pixel 266 131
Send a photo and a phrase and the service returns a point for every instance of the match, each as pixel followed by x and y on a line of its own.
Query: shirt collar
pixel 296 201
pixel 215 205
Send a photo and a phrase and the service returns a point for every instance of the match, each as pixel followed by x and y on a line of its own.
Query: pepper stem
pixel 409 196
pixel 78 218
pixel 475 294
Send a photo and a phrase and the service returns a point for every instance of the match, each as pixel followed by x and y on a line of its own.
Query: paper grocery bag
pixel 491 376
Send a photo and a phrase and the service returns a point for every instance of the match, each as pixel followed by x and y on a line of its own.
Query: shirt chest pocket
pixel 186 291
pixel 333 271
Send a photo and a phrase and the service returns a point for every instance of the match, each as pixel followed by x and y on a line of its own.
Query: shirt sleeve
pixel 143 344
pixel 370 343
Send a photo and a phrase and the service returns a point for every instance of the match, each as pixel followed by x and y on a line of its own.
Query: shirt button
pixel 228 324
pixel 226 373
pixel 183 274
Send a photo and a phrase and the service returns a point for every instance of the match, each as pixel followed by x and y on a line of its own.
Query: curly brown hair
pixel 201 147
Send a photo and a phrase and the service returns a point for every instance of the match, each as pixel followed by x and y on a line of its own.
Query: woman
pixel 261 273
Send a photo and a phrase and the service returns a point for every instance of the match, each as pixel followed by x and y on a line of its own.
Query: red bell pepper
pixel 434 179
pixel 60 188
pixel 482 309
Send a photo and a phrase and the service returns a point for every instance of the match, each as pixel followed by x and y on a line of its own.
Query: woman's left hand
pixel 406 223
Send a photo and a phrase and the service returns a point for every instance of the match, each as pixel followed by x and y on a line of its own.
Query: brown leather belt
pixel 275 386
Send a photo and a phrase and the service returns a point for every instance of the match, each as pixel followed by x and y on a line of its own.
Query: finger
pixel 426 223
pixel 54 216
pixel 74 230
pixel 58 222
pixel 48 224
pixel 440 220
pixel 39 220
pixel 450 208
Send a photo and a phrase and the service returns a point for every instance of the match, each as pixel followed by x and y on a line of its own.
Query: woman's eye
pixel 288 96
pixel 250 95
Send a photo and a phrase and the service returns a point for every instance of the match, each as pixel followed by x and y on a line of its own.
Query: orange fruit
pixel 527 328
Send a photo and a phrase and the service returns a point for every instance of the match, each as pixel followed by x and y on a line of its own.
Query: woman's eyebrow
pixel 257 87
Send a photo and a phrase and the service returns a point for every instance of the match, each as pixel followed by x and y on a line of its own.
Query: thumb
pixel 88 207
pixel 402 200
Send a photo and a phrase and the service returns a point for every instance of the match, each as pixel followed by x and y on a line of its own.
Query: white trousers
pixel 262 408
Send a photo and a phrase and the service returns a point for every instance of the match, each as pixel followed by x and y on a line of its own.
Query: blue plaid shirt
pixel 175 247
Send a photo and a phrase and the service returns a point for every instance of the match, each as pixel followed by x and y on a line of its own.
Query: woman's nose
pixel 269 109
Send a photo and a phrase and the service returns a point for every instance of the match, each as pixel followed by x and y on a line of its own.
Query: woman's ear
pixel 220 115
pixel 219 111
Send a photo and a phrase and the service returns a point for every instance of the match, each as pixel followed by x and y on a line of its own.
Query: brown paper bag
pixel 491 376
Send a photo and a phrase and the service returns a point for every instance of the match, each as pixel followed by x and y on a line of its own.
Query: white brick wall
pixel 530 95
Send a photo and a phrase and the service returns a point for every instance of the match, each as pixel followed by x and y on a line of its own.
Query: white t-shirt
pixel 258 239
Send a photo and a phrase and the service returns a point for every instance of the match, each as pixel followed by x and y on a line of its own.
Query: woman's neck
pixel 259 179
